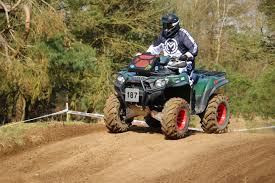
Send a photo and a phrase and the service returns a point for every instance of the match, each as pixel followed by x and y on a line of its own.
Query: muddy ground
pixel 143 155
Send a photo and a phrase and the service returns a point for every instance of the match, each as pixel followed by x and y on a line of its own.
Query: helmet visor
pixel 167 25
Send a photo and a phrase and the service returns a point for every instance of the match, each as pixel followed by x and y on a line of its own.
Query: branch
pixel 16 4
pixel 27 21
pixel 5 45
pixel 6 12
pixel 3 42
pixel 5 7
pixel 52 8
pixel 224 17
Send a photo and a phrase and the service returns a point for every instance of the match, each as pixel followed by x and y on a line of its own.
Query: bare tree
pixel 9 9
pixel 221 19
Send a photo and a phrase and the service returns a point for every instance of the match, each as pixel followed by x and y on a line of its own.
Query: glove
pixel 183 58
pixel 177 64
pixel 173 59
pixel 189 55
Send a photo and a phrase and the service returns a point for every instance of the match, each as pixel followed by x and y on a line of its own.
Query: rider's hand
pixel 173 59
pixel 183 57
pixel 189 55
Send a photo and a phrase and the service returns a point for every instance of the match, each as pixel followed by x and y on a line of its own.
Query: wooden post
pixel 67 114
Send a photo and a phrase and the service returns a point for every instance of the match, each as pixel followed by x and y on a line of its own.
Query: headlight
pixel 160 83
pixel 120 79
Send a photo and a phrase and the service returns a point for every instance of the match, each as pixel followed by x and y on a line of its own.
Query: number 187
pixel 132 94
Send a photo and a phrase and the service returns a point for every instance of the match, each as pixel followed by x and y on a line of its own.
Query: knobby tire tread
pixel 208 121
pixel 112 116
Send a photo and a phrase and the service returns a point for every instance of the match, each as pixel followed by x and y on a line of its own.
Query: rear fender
pixel 201 103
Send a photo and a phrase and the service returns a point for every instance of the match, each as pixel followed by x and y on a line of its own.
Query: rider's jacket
pixel 181 43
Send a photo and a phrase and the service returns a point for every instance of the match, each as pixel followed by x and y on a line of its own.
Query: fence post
pixel 67 114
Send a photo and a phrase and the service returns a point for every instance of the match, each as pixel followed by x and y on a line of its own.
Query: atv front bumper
pixel 147 97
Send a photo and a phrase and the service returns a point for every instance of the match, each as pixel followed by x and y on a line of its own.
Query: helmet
pixel 170 24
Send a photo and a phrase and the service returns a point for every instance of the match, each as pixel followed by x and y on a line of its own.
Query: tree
pixel 230 39
pixel 268 8
pixel 73 47
pixel 118 28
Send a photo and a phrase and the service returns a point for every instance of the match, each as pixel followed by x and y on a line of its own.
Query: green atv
pixel 149 88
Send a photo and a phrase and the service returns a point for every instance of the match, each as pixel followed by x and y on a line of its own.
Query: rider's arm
pixel 190 44
pixel 157 47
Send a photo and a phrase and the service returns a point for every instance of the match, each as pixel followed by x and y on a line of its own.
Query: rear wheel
pixel 175 119
pixel 215 119
pixel 114 116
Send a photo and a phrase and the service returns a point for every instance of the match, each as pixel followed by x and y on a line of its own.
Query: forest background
pixel 52 52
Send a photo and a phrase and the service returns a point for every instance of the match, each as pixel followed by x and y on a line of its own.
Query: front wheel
pixel 114 116
pixel 175 119
pixel 215 119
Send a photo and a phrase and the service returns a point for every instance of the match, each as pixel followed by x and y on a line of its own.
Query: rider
pixel 175 42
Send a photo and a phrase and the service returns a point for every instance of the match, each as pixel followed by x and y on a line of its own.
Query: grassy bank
pixel 17 137
pixel 240 122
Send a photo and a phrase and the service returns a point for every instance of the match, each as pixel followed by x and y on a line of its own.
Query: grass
pixel 239 122
pixel 21 135
pixel 256 122
pixel 16 131
pixel 14 134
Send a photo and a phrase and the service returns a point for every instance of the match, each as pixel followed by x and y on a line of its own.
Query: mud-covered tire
pixel 175 118
pixel 112 116
pixel 215 119
pixel 152 122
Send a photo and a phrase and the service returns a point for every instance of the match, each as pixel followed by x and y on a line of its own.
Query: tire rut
pixel 144 156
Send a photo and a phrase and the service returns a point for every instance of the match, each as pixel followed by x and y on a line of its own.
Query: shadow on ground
pixel 151 130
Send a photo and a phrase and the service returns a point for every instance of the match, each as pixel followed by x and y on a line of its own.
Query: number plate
pixel 131 95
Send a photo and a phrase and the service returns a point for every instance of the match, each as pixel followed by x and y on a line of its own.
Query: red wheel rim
pixel 221 114
pixel 182 119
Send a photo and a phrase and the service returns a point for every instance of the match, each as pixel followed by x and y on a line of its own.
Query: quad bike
pixel 151 88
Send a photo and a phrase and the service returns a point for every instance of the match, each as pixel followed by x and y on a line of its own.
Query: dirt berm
pixel 141 155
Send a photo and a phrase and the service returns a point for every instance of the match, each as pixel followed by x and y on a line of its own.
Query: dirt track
pixel 145 156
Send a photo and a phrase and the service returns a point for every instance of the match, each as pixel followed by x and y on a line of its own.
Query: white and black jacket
pixel 180 44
